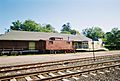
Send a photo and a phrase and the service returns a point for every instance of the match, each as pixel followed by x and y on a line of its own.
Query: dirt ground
pixel 16 60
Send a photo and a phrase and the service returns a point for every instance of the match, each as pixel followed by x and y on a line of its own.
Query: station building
pixel 26 41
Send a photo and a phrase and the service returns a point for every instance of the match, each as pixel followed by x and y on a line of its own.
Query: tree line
pixel 110 39
pixel 30 25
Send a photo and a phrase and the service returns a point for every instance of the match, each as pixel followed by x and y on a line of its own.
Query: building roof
pixel 36 36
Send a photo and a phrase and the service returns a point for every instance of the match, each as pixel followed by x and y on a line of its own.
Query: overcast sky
pixel 80 13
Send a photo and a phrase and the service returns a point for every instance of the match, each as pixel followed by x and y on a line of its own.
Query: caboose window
pixel 50 42
pixel 55 38
pixel 68 42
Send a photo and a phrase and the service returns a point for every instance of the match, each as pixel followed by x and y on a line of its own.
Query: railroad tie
pixel 92 73
pixel 84 75
pixel 28 71
pixel 61 73
pixel 69 71
pixel 41 76
pixel 113 69
pixel 117 68
pixel 76 78
pixel 12 67
pixel 13 79
pixel 18 72
pixel 78 71
pixel 2 70
pixel 28 78
pixel 52 74
pixel 20 67
pixel 103 66
pixel 101 72
pixel 107 71
pixel 65 80
pixel 7 73
pixel 64 65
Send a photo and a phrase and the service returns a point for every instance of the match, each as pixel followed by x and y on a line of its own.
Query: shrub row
pixel 113 47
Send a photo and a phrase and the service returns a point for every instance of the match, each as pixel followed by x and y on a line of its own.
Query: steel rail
pixel 24 66
pixel 41 63
pixel 34 67
pixel 53 70
pixel 73 74
pixel 88 58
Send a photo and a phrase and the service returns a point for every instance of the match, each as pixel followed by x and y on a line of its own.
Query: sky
pixel 80 14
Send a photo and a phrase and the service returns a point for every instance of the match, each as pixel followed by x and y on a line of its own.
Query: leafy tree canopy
pixel 16 25
pixel 94 33
pixel 66 29
pixel 30 25
pixel 113 38
pixel 48 28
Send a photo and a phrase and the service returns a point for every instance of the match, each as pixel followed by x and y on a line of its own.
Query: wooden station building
pixel 25 41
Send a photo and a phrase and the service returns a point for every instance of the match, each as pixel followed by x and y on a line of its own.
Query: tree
pixel 30 25
pixel 48 28
pixel 74 32
pixel 94 33
pixel 113 38
pixel 16 25
pixel 66 29
pixel 65 32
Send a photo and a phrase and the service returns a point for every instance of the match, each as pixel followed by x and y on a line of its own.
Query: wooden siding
pixel 21 45
pixel 41 45
pixel 58 45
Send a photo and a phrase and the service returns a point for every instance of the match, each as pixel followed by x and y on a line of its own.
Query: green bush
pixel 113 47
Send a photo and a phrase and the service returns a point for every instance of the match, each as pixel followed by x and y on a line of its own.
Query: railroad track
pixel 76 76
pixel 59 62
pixel 63 73
pixel 10 70
pixel 28 69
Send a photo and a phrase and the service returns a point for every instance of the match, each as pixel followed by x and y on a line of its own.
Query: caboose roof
pixel 36 36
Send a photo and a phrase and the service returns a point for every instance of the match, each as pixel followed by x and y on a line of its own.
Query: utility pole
pixel 93 50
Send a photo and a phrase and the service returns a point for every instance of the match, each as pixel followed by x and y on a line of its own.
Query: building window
pixel 78 45
pixel 81 45
pixel 85 45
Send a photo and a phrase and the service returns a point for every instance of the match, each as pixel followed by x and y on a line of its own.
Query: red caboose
pixel 56 44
